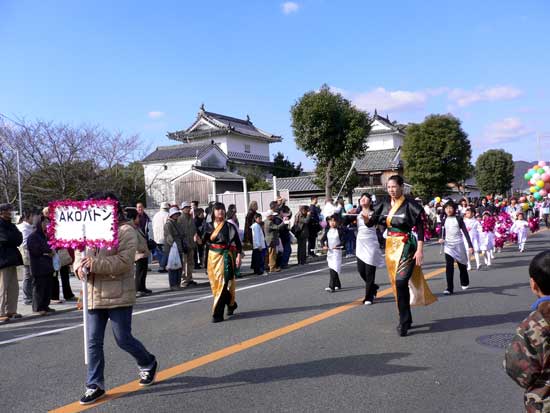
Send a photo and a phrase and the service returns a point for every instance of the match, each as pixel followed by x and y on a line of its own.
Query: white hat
pixel 164 205
pixel 173 211
pixel 270 213
pixel 185 205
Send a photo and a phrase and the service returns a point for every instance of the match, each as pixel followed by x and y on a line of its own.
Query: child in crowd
pixel 487 237
pixel 452 234
pixel 474 229
pixel 521 228
pixel 333 241
pixel 527 359
pixel 258 245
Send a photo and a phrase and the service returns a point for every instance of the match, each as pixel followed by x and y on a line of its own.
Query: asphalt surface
pixel 351 361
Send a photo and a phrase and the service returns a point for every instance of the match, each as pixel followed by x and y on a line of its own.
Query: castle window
pixel 246 148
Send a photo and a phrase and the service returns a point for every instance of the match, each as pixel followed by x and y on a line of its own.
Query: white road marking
pixel 163 307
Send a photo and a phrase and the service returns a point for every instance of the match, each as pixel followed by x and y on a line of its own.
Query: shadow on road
pixel 367 365
pixel 461 323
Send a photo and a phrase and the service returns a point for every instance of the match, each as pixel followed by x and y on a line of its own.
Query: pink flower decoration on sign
pixel 81 243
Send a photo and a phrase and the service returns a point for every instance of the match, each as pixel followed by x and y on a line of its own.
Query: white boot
pixel 476 255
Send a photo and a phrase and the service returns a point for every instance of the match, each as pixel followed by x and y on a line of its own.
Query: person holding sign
pixel 111 296
pixel 224 258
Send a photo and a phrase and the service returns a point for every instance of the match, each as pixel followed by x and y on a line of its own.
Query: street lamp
pixel 18 174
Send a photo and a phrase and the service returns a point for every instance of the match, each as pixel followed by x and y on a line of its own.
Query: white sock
pixel 476 255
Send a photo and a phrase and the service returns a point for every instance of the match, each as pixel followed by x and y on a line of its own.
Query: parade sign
pixel 81 224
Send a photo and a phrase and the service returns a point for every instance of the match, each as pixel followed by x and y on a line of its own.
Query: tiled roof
pixel 226 124
pixel 184 151
pixel 220 174
pixel 298 183
pixel 380 160
pixel 386 121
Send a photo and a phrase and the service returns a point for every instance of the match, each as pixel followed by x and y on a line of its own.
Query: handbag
pixel 174 259
pixel 64 257
pixel 56 262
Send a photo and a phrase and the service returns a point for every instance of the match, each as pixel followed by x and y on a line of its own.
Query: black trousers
pixel 41 292
pixel 302 250
pixel 199 255
pixel 225 299
pixel 450 272
pixel 367 273
pixel 141 274
pixel 334 280
pixel 65 284
pixel 312 241
pixel 404 296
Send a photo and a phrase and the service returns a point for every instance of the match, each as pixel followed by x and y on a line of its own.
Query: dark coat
pixel 410 214
pixel 341 235
pixel 41 263
pixel 10 239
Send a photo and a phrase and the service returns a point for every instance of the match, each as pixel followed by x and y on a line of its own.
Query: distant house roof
pixel 218 124
pixel 380 160
pixel 216 174
pixel 177 152
pixel 302 183
pixel 394 126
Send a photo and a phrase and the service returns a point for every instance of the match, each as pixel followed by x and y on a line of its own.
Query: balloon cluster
pixel 534 224
pixel 539 179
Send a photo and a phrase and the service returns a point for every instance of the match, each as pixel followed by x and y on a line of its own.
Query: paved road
pixel 333 357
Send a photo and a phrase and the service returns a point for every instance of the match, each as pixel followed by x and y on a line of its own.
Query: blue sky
pixel 145 67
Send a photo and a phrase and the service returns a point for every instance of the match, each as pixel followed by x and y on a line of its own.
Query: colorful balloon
pixel 437 199
pixel 542 164
pixel 537 196
pixel 525 206
pixel 545 177
pixel 533 189
pixel 540 183
pixel 536 176
pixel 543 192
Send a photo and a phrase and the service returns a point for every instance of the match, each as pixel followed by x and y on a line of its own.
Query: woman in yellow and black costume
pixel 224 260
pixel 404 252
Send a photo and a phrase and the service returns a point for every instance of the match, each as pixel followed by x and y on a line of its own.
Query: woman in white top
pixel 333 242
pixel 474 230
pixel 453 229
pixel 368 252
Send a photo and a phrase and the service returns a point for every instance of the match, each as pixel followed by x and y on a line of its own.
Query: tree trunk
pixel 328 180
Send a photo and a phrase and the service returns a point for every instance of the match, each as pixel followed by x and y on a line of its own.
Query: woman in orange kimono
pixel 404 252
pixel 224 260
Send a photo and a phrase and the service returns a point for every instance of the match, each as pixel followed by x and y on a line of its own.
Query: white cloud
pixel 463 97
pixel 389 100
pixel 290 7
pixel 155 115
pixel 505 130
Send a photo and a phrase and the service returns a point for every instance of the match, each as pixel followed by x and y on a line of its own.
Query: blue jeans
pixel 121 322
pixel 287 250
pixel 174 277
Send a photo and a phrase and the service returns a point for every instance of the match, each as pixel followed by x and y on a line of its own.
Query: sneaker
pixel 447 292
pixel 92 394
pixel 330 290
pixel 465 287
pixel 469 268
pixel 336 288
pixel 14 315
pixel 40 313
pixel 367 302
pixel 147 377
pixel 140 294
pixel 57 301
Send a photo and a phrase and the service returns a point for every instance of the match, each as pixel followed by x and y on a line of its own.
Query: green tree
pixel 255 180
pixel 283 168
pixel 329 129
pixel 494 171
pixel 436 152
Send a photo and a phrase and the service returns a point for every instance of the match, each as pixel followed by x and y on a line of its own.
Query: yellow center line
pixel 179 369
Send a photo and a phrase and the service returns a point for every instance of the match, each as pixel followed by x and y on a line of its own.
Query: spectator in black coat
pixel 10 257
pixel 41 257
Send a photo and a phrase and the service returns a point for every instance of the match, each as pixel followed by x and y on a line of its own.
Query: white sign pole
pixel 85 303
